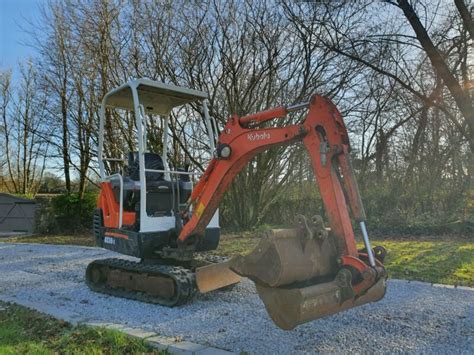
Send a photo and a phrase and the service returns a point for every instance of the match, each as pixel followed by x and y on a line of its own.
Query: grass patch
pixel 79 239
pixel 439 260
pixel 445 262
pixel 24 331
pixel 232 245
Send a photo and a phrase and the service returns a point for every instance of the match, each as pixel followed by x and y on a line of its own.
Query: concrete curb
pixel 422 283
pixel 172 345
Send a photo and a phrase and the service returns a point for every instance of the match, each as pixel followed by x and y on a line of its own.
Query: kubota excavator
pixel 151 211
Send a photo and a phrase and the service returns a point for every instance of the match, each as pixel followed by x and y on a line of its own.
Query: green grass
pixel 24 331
pixel 438 260
pixel 80 239
pixel 232 245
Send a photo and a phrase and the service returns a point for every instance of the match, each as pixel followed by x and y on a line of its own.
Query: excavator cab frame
pixel 145 97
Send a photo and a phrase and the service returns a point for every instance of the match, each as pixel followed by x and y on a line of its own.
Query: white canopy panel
pixel 156 97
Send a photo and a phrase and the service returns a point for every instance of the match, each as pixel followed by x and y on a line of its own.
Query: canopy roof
pixel 156 97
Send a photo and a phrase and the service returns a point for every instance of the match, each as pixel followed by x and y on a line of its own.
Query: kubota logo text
pixel 258 136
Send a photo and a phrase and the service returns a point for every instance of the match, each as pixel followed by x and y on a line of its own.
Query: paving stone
pixel 188 346
pixel 213 351
pixel 138 333
pixel 183 347
pixel 161 340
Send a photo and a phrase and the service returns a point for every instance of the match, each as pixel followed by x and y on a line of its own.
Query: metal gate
pixel 17 214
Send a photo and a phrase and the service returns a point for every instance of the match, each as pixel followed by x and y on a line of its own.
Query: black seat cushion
pixel 160 196
pixel 152 161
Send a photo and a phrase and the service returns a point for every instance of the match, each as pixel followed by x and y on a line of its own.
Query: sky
pixel 15 14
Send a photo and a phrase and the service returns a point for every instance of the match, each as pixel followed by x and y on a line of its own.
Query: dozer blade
pixel 297 276
pixel 215 276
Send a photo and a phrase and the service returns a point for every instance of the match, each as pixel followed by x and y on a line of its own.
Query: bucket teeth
pixel 311 228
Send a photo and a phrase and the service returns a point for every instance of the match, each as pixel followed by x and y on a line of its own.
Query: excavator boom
pixel 325 137
pixel 303 273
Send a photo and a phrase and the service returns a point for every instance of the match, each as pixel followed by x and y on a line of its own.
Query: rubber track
pixel 212 258
pixel 185 281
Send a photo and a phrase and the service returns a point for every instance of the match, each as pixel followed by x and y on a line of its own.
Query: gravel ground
pixel 413 317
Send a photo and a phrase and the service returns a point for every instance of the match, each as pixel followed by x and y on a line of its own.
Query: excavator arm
pixel 326 140
pixel 354 273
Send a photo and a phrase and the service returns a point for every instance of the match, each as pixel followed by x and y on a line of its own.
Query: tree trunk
pixel 461 97
pixel 380 148
pixel 466 17
pixel 65 142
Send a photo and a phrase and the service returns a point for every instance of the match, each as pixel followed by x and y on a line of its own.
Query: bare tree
pixel 397 87
pixel 458 91
pixel 25 149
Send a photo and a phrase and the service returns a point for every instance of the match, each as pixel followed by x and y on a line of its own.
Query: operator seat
pixel 152 161
pixel 160 192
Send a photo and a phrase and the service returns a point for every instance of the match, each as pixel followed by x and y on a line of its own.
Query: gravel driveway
pixel 413 317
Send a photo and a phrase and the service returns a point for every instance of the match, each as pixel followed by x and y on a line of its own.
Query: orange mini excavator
pixel 151 211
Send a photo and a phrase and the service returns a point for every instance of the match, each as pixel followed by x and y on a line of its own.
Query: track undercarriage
pixel 160 284
pixel 155 282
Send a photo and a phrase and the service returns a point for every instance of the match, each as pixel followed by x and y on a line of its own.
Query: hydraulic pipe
pixel 365 235
pixel 297 107
pixel 259 117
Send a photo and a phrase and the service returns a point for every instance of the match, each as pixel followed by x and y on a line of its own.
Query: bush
pixel 72 213
pixel 396 209
pixel 393 208
pixel 45 218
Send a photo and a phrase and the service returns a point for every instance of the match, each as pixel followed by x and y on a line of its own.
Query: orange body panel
pixel 322 126
pixel 116 235
pixel 256 118
pixel 111 207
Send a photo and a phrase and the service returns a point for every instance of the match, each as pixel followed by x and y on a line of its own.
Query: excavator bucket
pixel 297 275
pixel 291 306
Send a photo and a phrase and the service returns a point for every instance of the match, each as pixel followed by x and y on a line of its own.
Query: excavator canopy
pixel 156 97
